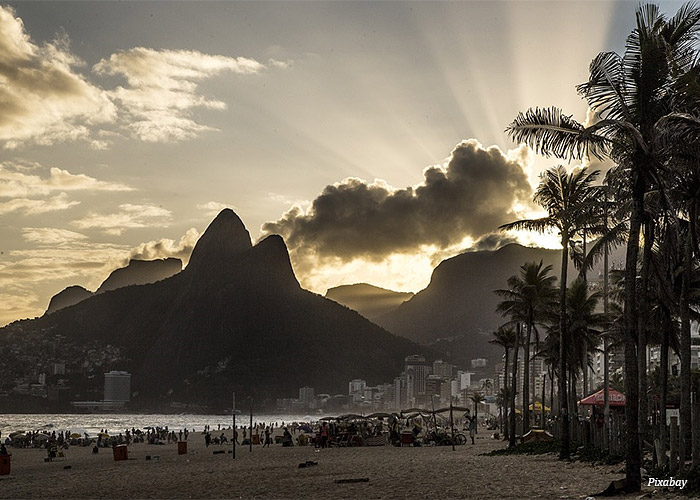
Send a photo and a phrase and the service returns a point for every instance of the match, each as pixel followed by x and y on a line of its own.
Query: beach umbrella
pixel 41 437
pixel 306 428
pixel 75 435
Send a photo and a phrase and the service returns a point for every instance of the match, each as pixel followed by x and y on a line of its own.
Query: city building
pixel 306 397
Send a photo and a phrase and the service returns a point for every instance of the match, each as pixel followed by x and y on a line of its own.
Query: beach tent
pixel 596 399
pixel 538 407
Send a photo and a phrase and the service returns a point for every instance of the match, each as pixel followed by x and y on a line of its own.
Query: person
pixel 3 450
pixel 324 435
pixel 472 427
pixel 207 439
pixel 267 437
pixel 287 438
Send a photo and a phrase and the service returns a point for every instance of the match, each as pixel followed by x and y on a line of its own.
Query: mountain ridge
pixel 235 319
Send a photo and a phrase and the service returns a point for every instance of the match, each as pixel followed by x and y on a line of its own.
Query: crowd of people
pixel 324 433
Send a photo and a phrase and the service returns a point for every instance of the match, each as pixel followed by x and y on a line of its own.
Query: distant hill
pixel 137 272
pixel 456 312
pixel 369 300
pixel 235 319
pixel 141 272
pixel 68 297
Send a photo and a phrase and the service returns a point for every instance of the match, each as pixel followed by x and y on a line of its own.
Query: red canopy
pixel 616 398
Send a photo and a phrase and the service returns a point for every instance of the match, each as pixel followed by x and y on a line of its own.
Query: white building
pixel 306 396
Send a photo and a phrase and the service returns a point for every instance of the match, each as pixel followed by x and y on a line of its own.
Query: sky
pixel 370 135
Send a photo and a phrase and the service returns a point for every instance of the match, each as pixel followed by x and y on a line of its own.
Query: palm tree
pixel 477 398
pixel 567 198
pixel 585 325
pixel 630 93
pixel 505 337
pixel 528 296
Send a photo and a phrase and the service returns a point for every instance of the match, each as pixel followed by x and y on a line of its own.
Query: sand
pixel 408 472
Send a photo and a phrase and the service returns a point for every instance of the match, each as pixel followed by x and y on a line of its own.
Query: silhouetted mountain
pixel 459 306
pixel 68 297
pixel 141 272
pixel 225 238
pixel 369 300
pixel 235 319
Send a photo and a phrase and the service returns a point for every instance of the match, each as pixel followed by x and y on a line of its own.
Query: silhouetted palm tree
pixel 528 296
pixel 505 337
pixel 567 198
pixel 630 94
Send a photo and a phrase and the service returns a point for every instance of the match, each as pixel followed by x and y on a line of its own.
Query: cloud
pixel 494 241
pixel 51 236
pixel 34 207
pixel 129 217
pixel 45 99
pixel 164 248
pixel 162 90
pixel 15 182
pixel 474 192
pixel 42 98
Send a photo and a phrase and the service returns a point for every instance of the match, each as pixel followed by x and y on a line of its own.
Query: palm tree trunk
pixel 573 380
pixel 511 441
pixel 685 413
pixel 551 391
pixel 563 400
pixel 606 343
pixel 633 456
pixel 526 381
pixel 642 326
pixel 506 432
pixel 665 345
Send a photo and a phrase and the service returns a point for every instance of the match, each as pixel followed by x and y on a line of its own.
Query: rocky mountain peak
pixel 224 240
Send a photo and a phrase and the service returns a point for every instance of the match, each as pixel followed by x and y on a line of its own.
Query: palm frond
pixel 539 225
pixel 550 132
pixel 605 89
pixel 614 237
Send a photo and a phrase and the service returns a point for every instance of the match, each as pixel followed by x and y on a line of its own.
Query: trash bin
pixel 182 447
pixel 120 453
pixel 5 465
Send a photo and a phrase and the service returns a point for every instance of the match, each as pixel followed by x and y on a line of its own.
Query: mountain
pixel 235 319
pixel 68 297
pixel 137 272
pixel 141 272
pixel 369 300
pixel 456 312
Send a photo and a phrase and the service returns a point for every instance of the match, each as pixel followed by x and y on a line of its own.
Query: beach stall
pixel 616 399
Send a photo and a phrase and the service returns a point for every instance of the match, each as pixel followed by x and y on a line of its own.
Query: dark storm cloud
pixel 494 241
pixel 471 196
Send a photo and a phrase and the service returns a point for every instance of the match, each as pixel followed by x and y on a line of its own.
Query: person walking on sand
pixel 267 437
pixel 472 425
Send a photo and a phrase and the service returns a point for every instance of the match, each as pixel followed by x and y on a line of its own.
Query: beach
pixel 274 472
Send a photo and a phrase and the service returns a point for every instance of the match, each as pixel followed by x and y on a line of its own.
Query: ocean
pixel 116 423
